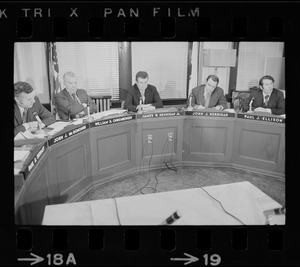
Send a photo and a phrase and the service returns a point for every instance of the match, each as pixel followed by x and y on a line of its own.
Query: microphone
pixel 37 118
pixel 140 105
pixel 171 219
pixel 88 109
pixel 250 104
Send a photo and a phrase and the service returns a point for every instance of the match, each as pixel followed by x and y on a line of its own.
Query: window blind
pixel 95 64
pixel 251 61
pixel 166 65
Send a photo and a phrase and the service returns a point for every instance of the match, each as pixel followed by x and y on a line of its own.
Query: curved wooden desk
pixel 82 157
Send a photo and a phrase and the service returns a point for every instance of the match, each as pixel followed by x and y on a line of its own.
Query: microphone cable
pixel 117 211
pixel 222 206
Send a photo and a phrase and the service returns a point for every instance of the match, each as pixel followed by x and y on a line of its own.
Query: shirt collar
pixel 21 109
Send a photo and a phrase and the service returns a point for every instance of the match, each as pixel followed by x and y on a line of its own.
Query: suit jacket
pixel 276 101
pixel 66 105
pixel 45 115
pixel 133 97
pixel 217 97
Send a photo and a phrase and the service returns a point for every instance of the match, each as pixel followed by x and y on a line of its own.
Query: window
pixel 95 64
pixel 166 65
pixel 251 63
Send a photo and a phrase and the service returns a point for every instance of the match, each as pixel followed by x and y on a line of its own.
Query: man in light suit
pixel 209 95
pixel 143 92
pixel 27 107
pixel 267 99
pixel 72 102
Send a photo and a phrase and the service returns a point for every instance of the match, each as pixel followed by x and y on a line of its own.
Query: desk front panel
pixel 113 151
pixel 71 167
pixel 207 140
pixel 260 145
pixel 161 149
pixel 35 195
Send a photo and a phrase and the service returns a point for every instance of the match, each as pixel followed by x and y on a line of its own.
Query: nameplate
pixel 67 134
pixel 261 118
pixel 35 160
pixel 210 114
pixel 112 121
pixel 159 115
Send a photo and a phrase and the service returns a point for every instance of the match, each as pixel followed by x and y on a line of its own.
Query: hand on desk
pixel 260 109
pixel 31 126
pixel 219 107
pixel 84 104
pixel 145 107
pixel 199 107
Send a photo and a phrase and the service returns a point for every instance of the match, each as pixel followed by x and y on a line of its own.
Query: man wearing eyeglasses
pixel 209 95
pixel 268 99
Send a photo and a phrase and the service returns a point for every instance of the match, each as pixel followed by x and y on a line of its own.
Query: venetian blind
pixel 251 62
pixel 166 65
pixel 95 64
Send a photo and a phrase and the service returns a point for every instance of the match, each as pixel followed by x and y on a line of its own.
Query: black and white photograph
pixel 149 133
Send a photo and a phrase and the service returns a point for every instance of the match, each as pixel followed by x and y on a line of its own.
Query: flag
pixel 55 86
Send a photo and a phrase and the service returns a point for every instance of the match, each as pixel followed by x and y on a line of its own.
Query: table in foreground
pixel 243 200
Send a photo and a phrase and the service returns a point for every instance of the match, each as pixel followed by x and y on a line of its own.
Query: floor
pixel 185 177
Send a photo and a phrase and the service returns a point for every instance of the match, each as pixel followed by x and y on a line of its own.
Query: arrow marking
pixel 188 260
pixel 34 260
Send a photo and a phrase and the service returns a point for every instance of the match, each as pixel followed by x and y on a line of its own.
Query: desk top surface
pixel 243 200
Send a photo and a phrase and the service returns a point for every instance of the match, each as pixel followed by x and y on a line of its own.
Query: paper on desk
pixel 28 135
pixel 58 124
pixel 20 155
pixel 99 115
pixel 77 121
pixel 16 171
pixel 283 116
pixel 230 110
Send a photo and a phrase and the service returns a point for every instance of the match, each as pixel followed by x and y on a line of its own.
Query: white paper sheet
pixel 58 124
pixel 20 155
pixel 99 115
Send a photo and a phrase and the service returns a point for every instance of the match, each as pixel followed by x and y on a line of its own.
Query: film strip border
pixel 208 245
pixel 154 246
pixel 149 21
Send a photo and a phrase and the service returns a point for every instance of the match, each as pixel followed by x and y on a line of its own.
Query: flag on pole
pixel 55 86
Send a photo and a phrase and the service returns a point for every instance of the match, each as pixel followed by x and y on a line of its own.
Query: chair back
pixel 102 102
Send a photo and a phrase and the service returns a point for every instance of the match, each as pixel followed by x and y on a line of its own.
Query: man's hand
pixel 199 107
pixel 84 104
pixel 260 109
pixel 33 126
pixel 219 107
pixel 41 125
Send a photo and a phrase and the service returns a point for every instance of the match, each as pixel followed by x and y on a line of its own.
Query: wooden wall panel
pixel 207 140
pixel 70 167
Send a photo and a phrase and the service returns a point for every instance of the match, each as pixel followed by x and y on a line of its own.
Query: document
pixel 21 155
pixel 58 124
pixel 110 112
pixel 28 135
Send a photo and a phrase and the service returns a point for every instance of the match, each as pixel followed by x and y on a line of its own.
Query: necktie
pixel 207 98
pixel 266 100
pixel 24 117
pixel 75 99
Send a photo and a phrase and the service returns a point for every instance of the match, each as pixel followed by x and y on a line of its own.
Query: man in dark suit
pixel 27 107
pixel 267 99
pixel 72 102
pixel 142 95
pixel 209 95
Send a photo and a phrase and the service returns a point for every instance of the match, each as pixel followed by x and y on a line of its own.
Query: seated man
pixel 72 102
pixel 27 107
pixel 267 98
pixel 142 92
pixel 209 95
